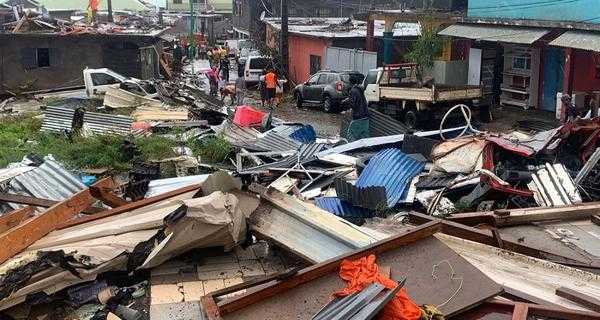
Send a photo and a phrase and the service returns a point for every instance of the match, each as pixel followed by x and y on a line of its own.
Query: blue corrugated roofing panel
pixel 393 170
pixel 342 208
pixel 304 134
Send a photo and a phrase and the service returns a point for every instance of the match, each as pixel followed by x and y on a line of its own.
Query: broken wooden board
pixel 413 255
pixel 20 237
pixel 14 218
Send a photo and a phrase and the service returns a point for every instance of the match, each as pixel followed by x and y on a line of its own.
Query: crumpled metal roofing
pixel 383 125
pixel 160 186
pixel 304 134
pixel 48 181
pixel 305 154
pixel 275 142
pixel 236 135
pixel 384 182
pixel 343 209
pixel 58 119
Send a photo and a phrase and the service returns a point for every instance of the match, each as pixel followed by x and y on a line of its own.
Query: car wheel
pixel 328 104
pixel 411 119
pixel 298 97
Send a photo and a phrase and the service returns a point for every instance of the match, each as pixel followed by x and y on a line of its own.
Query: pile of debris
pixel 443 224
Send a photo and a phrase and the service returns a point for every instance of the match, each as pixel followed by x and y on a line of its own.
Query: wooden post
pixel 370 45
pixel 110 10
pixel 284 45
pixel 568 78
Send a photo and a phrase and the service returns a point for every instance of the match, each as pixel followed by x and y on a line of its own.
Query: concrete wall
pixel 70 56
pixel 301 48
pixel 580 10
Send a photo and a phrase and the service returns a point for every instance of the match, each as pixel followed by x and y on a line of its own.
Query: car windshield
pixel 259 63
pixel 352 77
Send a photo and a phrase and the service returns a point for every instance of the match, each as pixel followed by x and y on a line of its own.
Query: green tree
pixel 426 49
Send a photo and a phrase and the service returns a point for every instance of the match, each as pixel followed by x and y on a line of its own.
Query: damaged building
pixel 34 61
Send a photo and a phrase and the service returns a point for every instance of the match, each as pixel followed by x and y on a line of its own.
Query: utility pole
pixel 341 11
pixel 283 46
pixel 191 36
pixel 110 11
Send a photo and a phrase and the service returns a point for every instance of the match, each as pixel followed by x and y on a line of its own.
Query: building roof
pixel 69 5
pixel 495 33
pixel 585 40
pixel 341 27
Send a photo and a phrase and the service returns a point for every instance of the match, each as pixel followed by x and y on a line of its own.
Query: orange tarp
pixel 360 273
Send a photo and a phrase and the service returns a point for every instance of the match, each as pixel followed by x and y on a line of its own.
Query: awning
pixel 495 33
pixel 586 40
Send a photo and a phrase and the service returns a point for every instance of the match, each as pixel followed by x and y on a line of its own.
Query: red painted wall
pixel 301 48
pixel 585 78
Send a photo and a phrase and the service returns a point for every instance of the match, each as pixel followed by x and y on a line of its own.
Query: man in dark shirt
pixel 358 102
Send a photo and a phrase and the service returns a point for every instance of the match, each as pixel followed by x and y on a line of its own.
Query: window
pixel 177 2
pixel 354 77
pixel 102 79
pixel 313 79
pixel 315 64
pixel 293 12
pixel 324 78
pixel 323 12
pixel 372 77
pixel 522 62
pixel 259 63
pixel 33 58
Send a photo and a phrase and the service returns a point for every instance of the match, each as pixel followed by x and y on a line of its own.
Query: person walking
pixel 271 86
pixel 359 126
pixel 213 80
pixel 240 86
pixel 225 68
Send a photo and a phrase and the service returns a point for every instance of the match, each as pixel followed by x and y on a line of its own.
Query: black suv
pixel 328 88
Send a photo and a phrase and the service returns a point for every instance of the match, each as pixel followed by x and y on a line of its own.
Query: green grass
pixel 21 136
pixel 212 150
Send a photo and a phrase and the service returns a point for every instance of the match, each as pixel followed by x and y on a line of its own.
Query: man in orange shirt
pixel 271 85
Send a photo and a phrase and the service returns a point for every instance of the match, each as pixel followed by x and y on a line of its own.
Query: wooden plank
pixel 130 206
pixel 210 308
pixel 37 202
pixel 520 312
pixel 327 267
pixel 486 237
pixel 20 237
pixel 107 197
pixel 14 218
pixel 547 311
pixel 585 300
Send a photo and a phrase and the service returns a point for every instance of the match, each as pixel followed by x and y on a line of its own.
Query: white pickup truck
pixel 394 87
pixel 97 81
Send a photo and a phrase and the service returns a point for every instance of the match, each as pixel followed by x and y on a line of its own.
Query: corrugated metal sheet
pixel 102 123
pixel 236 135
pixel 307 230
pixel 305 134
pixel 48 181
pixel 384 182
pixel 343 209
pixel 495 33
pixel 160 186
pixel 585 40
pixel 383 125
pixel 57 119
pixel 275 142
pixel 552 186
pixel 389 140
pixel 305 154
